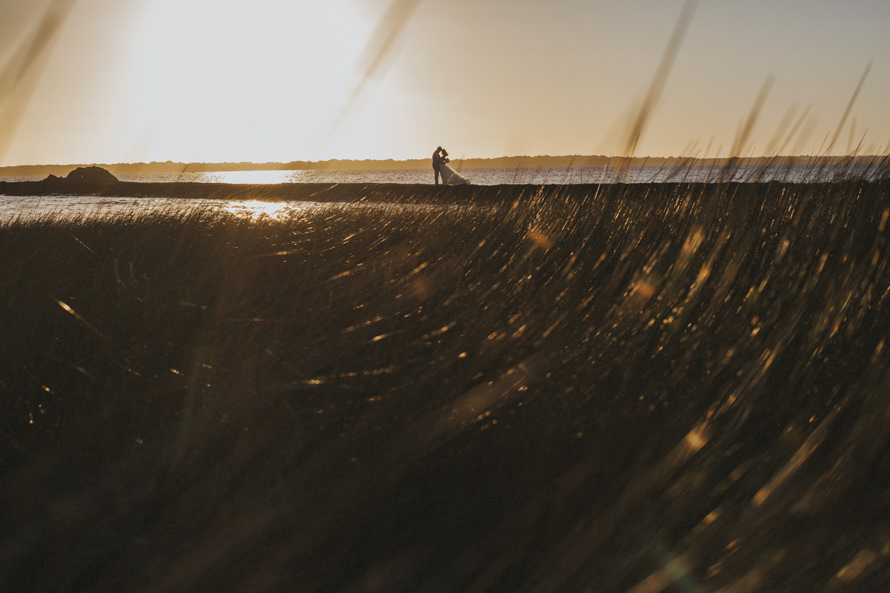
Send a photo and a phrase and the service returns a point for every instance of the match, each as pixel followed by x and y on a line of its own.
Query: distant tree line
pixel 545 161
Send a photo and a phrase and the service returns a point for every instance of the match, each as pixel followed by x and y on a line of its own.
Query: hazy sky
pixel 281 80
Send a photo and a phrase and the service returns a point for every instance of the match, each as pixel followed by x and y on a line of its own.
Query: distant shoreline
pixel 469 163
pixel 371 193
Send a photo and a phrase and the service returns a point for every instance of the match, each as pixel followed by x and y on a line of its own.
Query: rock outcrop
pixel 90 175
pixel 85 175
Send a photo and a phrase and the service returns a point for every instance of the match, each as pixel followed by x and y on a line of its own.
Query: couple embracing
pixel 440 167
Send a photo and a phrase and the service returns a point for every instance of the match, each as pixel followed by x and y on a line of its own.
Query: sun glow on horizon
pixel 218 76
pixel 285 80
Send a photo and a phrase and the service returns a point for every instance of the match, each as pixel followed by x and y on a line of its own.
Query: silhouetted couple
pixel 440 167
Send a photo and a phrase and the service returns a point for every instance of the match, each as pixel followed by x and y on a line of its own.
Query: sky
pixel 114 81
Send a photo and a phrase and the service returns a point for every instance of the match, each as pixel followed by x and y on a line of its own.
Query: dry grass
pixel 677 385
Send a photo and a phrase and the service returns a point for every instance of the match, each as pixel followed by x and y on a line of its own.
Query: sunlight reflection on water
pixel 76 208
pixel 695 172
pixel 30 208
pixel 256 209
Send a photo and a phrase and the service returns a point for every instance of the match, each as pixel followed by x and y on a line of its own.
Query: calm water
pixel 27 208
pixel 520 175
pixel 12 208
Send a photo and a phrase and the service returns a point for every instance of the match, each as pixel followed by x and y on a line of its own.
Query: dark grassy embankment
pixel 314 192
pixel 677 387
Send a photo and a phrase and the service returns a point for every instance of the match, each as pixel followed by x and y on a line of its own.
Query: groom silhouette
pixel 438 159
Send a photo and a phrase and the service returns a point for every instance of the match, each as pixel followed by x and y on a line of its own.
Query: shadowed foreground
pixel 647 388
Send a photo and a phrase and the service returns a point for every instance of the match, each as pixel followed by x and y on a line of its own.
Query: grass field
pixel 667 387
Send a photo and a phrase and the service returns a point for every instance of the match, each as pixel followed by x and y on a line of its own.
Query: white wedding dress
pixel 451 177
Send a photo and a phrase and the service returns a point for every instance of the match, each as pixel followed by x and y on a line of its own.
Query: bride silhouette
pixel 449 175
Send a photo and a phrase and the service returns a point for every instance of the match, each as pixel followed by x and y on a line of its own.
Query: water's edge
pixel 351 192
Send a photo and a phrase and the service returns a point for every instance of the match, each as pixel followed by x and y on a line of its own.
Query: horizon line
pixel 472 162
